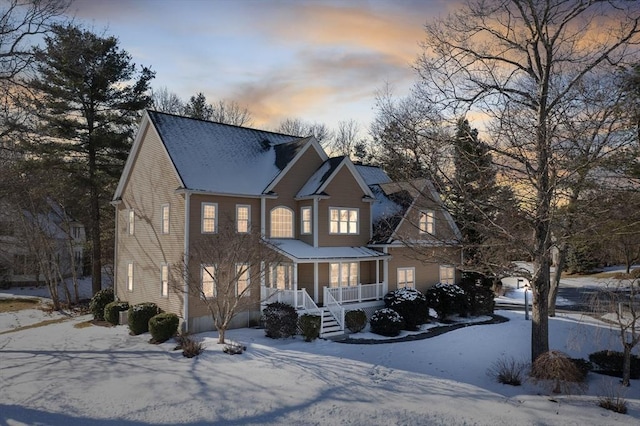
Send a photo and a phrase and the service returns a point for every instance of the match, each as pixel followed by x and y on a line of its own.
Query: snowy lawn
pixel 62 375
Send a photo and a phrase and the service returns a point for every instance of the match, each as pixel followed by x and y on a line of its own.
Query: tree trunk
pixel 540 310
pixel 626 365
pixel 555 282
pixel 221 332
pixel 96 247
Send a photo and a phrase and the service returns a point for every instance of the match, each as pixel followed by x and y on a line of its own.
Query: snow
pixel 58 374
pixel 299 250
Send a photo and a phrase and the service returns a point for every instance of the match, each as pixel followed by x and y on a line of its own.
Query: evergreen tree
pixel 197 107
pixel 89 98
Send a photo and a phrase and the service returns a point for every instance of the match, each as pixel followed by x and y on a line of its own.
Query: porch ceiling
pixel 301 252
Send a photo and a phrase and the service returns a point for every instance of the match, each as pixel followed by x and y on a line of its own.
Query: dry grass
pixel 83 324
pixel 18 304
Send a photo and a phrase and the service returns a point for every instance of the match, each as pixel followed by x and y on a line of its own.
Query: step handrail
pixel 334 307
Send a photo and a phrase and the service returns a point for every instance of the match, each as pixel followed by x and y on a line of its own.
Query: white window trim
pixel 248 207
pixel 405 269
pixel 248 286
pixel 357 210
pixel 131 222
pixel 130 277
pixel 293 221
pixel 428 214
pixel 165 229
pixel 215 218
pixel 341 279
pixel 164 282
pixel 302 220
pixel 213 281
pixel 453 277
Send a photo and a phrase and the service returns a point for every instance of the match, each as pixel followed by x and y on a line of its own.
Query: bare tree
pixel 301 128
pixel 165 101
pixel 225 271
pixel 518 63
pixel 230 112
pixel 618 304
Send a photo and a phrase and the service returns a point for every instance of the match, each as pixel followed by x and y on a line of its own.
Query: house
pixel 341 230
pixel 45 236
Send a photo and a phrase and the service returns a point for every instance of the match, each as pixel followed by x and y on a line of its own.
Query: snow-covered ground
pixel 58 374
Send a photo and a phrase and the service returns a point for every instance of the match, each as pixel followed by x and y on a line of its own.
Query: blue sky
pixel 321 61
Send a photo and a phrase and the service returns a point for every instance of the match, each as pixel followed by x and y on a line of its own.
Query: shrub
pixel 558 371
pixel 613 399
pixel 446 299
pixel 508 371
pixel 611 362
pixel 310 326
pixel 190 347
pixel 99 301
pixel 583 366
pixel 139 316
pixel 163 327
pixel 280 320
pixel 479 299
pixel 112 311
pixel 386 322
pixel 234 348
pixel 355 320
pixel 410 304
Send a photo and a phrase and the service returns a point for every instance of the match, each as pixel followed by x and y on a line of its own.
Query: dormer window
pixel 282 222
pixel 426 223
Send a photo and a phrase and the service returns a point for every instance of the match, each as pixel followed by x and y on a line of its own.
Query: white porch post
pixel 377 278
pixel 315 282
pixel 385 272
pixel 295 284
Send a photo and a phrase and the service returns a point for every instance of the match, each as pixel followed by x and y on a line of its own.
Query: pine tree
pixel 197 107
pixel 89 99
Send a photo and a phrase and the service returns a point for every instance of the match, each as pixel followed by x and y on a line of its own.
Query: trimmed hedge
pixel 410 304
pixel 310 326
pixel 139 316
pixel 355 320
pixel 99 301
pixel 280 320
pixel 446 300
pixel 112 311
pixel 611 363
pixel 479 299
pixel 386 322
pixel 163 326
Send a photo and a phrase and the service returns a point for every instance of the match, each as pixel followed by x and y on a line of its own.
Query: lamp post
pixel 526 301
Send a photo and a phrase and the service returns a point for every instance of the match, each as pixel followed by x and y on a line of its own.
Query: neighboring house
pixel 31 240
pixel 184 177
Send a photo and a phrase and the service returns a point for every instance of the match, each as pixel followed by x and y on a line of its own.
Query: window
pixel 447 274
pixel 75 232
pixel 343 221
pixel 208 273
pixel 343 274
pixel 305 217
pixel 281 222
pixel 209 218
pixel 165 219
pixel 164 280
pixel 243 213
pixel 131 223
pixel 242 272
pixel 406 277
pixel 130 277
pixel 426 222
pixel 282 277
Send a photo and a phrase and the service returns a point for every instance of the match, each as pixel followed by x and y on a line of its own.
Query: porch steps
pixel 330 326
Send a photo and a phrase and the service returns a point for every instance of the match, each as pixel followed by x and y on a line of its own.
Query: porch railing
pixel 299 299
pixel 359 293
pixel 334 307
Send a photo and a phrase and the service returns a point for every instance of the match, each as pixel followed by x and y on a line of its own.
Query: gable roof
pixel 221 158
pixel 372 174
pixel 318 182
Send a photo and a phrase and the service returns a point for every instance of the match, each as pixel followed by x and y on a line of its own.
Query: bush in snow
pixel 446 299
pixel 611 362
pixel 508 371
pixel 410 304
pixel 139 316
pixel 99 301
pixel 112 311
pixel 386 322
pixel 280 320
pixel 355 320
pixel 163 326
pixel 190 347
pixel 557 371
pixel 310 327
pixel 479 299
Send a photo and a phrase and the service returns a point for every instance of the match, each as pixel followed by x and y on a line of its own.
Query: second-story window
pixel 242 218
pixel 426 222
pixel 281 222
pixel 305 217
pixel 131 224
pixel 209 218
pixel 343 221
pixel 165 218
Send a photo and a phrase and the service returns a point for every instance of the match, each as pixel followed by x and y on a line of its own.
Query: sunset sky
pixel 321 61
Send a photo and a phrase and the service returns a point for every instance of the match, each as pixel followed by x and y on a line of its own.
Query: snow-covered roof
pixel 372 175
pixel 300 251
pixel 318 179
pixel 222 158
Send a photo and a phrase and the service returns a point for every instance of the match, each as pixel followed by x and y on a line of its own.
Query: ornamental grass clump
pixel 112 311
pixel 386 322
pixel 410 304
pixel 508 371
pixel 355 320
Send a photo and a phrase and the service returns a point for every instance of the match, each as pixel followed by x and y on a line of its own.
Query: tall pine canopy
pixel 89 96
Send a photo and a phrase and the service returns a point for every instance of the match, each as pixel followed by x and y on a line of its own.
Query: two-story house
pixel 343 231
